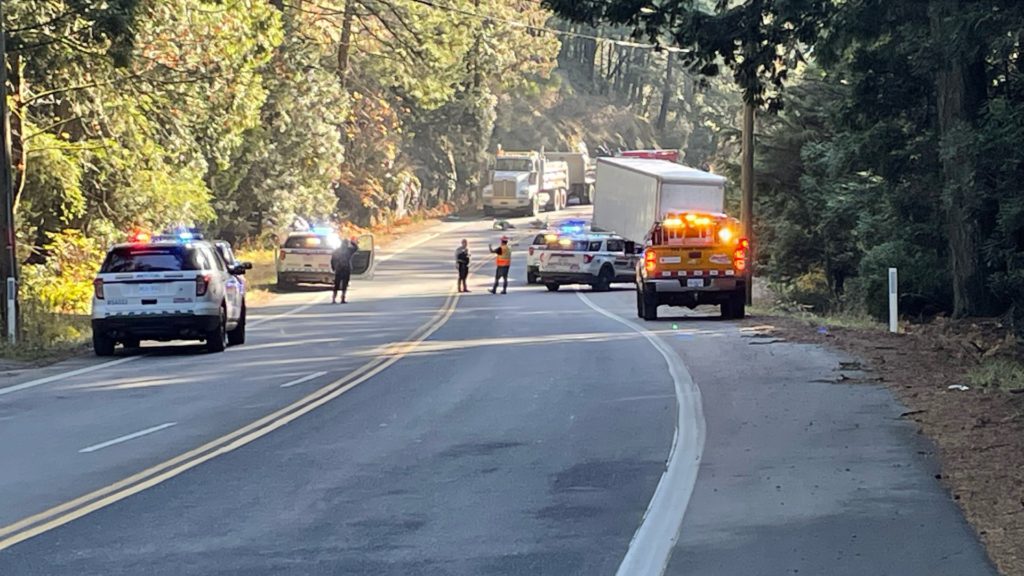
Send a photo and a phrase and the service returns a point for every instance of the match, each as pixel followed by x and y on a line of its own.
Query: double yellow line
pixel 62 514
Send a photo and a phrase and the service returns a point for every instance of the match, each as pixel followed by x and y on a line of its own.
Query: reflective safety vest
pixel 504 257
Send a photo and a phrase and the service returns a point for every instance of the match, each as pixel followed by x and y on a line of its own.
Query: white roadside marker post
pixel 894 325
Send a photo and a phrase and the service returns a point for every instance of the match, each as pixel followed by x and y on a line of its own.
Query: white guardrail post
pixel 894 325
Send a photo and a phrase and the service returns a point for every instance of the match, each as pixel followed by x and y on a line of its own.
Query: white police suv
pixel 597 259
pixel 169 289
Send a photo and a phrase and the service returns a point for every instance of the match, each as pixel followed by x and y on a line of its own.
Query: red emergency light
pixel 670 155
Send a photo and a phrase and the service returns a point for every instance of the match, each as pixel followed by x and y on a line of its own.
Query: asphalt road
pixel 416 432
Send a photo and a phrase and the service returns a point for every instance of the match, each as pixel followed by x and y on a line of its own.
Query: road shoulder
pixel 979 433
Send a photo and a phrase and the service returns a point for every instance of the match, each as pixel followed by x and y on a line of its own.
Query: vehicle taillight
pixel 530 250
pixel 202 284
pixel 650 260
pixel 739 256
pixel 588 258
pixel 97 288
pixel 281 254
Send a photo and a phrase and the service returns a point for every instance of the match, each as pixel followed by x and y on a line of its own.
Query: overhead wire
pixel 545 29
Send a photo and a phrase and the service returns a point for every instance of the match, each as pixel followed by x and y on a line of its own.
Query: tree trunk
pixel 958 100
pixel 345 43
pixel 666 92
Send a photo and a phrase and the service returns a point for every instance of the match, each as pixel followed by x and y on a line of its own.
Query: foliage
pixel 63 283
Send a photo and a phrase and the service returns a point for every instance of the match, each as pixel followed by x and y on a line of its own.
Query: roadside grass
pixel 849 320
pixel 998 373
pixel 263 276
pixel 47 337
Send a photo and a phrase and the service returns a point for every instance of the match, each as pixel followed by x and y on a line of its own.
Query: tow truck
pixel 691 259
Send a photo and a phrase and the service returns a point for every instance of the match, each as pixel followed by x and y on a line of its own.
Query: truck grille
pixel 505 189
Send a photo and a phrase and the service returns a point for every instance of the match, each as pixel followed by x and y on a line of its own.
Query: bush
pixel 922 273
pixel 63 283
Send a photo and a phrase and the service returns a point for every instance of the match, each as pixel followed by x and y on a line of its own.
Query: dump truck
pixel 524 183
pixel 581 174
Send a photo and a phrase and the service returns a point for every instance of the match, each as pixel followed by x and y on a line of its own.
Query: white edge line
pixel 306 378
pixel 126 438
pixel 62 375
pixel 653 542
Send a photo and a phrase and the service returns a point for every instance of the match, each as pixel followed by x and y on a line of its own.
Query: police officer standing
pixel 341 264
pixel 502 262
pixel 462 264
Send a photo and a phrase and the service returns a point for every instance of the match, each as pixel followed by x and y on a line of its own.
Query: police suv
pixel 597 259
pixel 169 289
pixel 305 257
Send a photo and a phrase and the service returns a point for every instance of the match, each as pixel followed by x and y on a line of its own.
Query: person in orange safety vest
pixel 502 262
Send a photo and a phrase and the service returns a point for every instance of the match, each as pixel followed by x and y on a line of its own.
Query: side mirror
pixel 630 247
pixel 237 269
pixel 247 265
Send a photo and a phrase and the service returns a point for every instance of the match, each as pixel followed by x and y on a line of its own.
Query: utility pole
pixel 747 184
pixel 8 257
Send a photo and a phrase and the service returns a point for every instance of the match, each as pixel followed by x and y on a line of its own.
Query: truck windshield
pixel 684 234
pixel 513 165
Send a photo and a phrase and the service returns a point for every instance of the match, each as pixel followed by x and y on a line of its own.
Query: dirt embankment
pixel 961 382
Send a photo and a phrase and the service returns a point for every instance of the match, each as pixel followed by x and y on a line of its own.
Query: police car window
pixel 616 246
pixel 305 242
pixel 217 259
pixel 225 252
pixel 203 260
pixel 595 246
pixel 149 259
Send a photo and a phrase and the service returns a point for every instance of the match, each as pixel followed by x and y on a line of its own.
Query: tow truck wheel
pixel 735 308
pixel 552 286
pixel 650 305
pixel 639 305
pixel 102 345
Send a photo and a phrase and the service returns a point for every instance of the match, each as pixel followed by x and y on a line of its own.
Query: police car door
pixel 623 263
pixel 363 262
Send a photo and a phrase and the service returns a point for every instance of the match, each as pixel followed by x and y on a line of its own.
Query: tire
pixel 531 278
pixel 552 286
pixel 650 305
pixel 639 305
pixel 216 339
pixel 735 308
pixel 604 280
pixel 103 345
pixel 588 195
pixel 236 337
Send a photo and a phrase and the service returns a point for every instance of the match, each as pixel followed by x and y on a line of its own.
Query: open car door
pixel 363 261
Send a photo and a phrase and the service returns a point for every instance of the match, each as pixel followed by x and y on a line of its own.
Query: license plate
pixel 694 282
pixel 149 289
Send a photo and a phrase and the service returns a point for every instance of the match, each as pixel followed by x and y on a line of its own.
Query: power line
pixel 545 29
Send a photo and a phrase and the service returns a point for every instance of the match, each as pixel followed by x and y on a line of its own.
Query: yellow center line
pixel 73 509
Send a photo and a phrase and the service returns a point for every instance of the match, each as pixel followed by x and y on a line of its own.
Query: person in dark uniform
pixel 503 261
pixel 462 263
pixel 341 264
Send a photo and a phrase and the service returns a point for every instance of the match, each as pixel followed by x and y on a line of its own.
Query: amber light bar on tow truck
pixel 691 228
